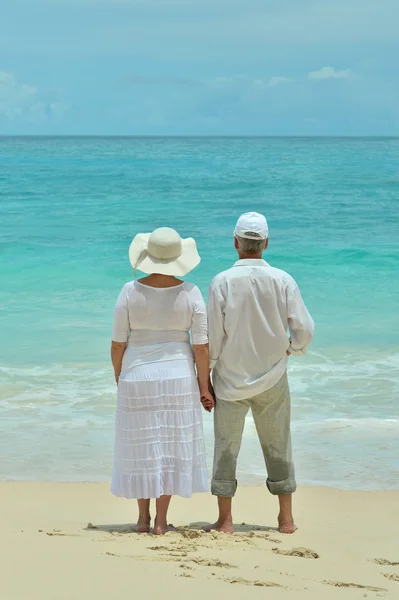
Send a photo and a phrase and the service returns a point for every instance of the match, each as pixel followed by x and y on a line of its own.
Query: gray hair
pixel 250 246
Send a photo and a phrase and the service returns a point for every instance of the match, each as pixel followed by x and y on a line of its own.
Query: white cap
pixel 252 226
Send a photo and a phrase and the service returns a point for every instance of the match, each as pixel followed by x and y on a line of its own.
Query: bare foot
pixel 287 526
pixel 162 528
pixel 143 526
pixel 221 526
pixel 285 519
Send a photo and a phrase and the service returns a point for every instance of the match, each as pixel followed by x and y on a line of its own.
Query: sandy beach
pixel 346 546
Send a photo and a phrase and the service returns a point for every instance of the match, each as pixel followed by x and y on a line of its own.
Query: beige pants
pixel 271 412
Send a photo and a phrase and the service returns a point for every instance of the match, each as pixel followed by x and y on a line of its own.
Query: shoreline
pixel 342 549
pixel 241 485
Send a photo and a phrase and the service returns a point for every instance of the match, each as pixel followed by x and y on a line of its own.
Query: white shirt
pixel 155 322
pixel 250 308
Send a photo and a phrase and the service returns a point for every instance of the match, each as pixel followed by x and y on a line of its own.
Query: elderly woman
pixel 159 444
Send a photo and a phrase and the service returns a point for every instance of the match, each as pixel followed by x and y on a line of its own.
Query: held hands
pixel 207 400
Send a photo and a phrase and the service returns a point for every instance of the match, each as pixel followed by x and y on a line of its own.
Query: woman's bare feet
pixel 143 526
pixel 161 527
pixel 144 520
pixel 161 518
pixel 225 526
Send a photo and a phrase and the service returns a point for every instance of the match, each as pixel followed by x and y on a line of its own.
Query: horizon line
pixel 177 136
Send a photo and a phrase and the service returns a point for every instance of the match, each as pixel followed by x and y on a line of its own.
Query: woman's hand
pixel 117 352
pixel 207 400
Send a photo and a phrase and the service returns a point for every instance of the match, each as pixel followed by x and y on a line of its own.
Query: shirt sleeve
pixel 121 329
pixel 300 323
pixel 216 324
pixel 199 323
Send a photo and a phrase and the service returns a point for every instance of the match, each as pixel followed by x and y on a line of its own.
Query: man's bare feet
pixel 143 526
pixel 287 526
pixel 221 526
pixel 285 519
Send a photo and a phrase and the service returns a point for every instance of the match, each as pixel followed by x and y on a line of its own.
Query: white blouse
pixel 156 322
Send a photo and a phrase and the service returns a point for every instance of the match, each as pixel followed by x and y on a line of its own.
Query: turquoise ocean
pixel 69 208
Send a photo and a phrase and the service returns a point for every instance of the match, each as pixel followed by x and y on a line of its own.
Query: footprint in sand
pixel 58 533
pixel 205 562
pixel 267 538
pixel 342 584
pixel 385 562
pixel 186 567
pixel 256 583
pixel 183 558
pixel 180 550
pixel 301 552
pixel 391 576
pixel 113 529
pixel 191 534
pixel 251 535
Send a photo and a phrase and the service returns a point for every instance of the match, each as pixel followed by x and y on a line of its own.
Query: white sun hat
pixel 252 226
pixel 163 251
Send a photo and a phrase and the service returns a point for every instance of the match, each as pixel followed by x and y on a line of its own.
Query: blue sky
pixel 192 67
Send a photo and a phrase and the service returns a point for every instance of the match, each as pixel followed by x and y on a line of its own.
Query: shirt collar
pixel 251 262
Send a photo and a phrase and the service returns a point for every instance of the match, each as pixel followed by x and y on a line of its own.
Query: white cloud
pixel 15 98
pixel 275 81
pixel 244 81
pixel 330 73
pixel 22 101
pixel 137 79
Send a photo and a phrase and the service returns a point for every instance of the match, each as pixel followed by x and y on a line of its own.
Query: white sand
pixel 47 554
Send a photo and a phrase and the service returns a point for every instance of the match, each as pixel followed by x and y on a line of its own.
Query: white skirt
pixel 159 441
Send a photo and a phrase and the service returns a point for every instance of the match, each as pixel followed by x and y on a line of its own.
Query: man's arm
pixel 215 324
pixel 300 324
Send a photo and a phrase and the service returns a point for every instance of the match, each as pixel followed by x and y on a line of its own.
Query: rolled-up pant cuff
pixel 286 486
pixel 226 489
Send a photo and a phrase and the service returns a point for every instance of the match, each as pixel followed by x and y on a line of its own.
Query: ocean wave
pixel 329 385
pixel 345 422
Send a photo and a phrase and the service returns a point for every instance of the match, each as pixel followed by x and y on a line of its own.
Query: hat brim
pixel 177 267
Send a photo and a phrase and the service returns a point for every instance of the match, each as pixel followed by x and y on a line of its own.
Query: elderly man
pixel 251 307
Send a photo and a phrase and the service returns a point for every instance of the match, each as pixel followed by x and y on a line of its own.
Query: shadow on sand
pixel 198 526
pixel 238 527
pixel 121 528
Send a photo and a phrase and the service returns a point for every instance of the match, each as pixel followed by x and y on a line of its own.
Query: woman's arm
pixel 199 335
pixel 201 357
pixel 117 352
pixel 120 331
